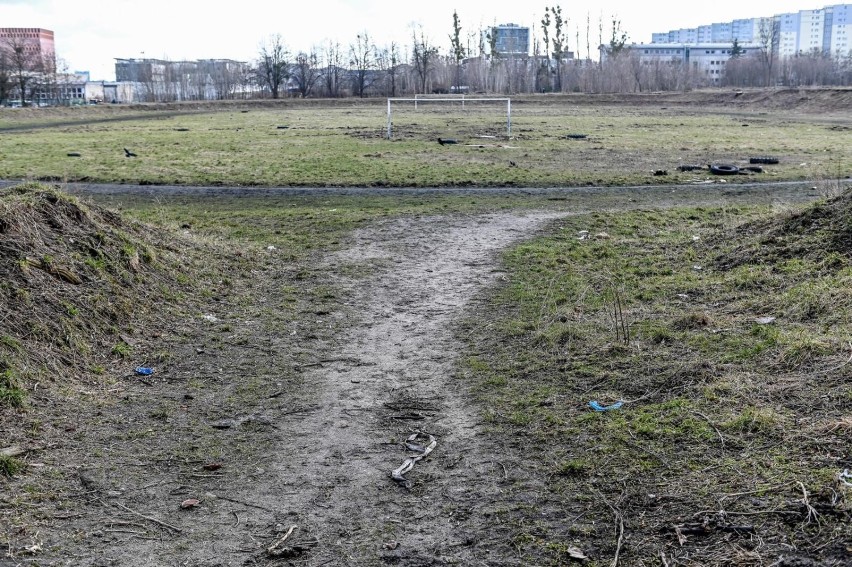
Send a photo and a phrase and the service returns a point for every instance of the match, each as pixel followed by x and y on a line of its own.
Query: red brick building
pixel 35 42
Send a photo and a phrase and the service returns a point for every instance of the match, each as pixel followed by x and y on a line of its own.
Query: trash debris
pixel 12 451
pixel 843 476
pixel 390 545
pixel 74 154
pixel 697 268
pixel 576 553
pixel 223 424
pixel 723 169
pixel 660 172
pixel 695 238
pixel 595 405
pixel 752 168
pixel 583 234
pixel 444 141
pixel 143 371
pixel 576 136
pixel 689 167
pixel 408 464
pixel 212 466
pixel 282 127
pixel 211 318
pixel 764 320
pixel 190 503
pixel 766 160
pixel 270 247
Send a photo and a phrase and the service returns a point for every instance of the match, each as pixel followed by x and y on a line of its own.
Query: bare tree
pixel 388 60
pixel 333 69
pixel 5 76
pixel 273 65
pixel 306 72
pixel 769 34
pixel 23 65
pixel 422 57
pixel 362 61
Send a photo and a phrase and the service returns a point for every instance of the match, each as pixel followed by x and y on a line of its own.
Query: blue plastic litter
pixel 142 371
pixel 597 407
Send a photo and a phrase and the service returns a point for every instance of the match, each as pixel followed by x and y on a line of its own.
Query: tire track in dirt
pixel 391 374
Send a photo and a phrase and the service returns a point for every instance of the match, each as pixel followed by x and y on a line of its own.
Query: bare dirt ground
pixel 268 414
pixel 296 426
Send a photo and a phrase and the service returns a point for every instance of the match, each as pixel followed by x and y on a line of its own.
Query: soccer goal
pixel 421 102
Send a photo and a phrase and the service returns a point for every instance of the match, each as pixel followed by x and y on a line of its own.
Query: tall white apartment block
pixel 825 30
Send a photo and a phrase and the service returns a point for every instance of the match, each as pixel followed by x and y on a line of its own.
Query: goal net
pixel 449 116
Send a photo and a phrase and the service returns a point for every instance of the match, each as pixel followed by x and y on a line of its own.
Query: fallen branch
pixel 812 513
pixel 836 368
pixel 716 429
pixel 149 518
pixel 278 543
pixel 620 521
pixel 249 504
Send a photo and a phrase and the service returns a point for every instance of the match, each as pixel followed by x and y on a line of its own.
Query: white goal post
pixel 419 100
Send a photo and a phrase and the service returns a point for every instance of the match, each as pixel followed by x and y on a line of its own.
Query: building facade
pixel 508 39
pixel 158 80
pixel 35 42
pixel 705 61
pixel 824 30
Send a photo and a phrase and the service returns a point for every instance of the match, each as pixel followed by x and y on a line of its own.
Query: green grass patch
pixel 10 466
pixel 717 397
pixel 11 394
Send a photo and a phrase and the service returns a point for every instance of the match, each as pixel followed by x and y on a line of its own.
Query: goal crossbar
pixel 463 100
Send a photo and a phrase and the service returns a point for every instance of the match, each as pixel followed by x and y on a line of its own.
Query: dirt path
pixel 392 375
pixel 306 422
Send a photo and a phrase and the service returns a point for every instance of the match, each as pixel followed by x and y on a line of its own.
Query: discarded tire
pixel 576 136
pixel 764 160
pixel 723 169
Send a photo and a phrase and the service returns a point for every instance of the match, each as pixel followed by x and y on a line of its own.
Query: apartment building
pixel 824 30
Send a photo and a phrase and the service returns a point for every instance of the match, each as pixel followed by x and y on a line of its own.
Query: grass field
pixel 720 330
pixel 341 144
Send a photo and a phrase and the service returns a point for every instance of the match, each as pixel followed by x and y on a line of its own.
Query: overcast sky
pixel 90 34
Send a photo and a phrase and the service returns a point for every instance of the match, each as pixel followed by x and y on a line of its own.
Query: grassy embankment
pixel 726 333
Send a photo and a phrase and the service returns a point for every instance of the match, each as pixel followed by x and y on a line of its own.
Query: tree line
pixel 472 64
